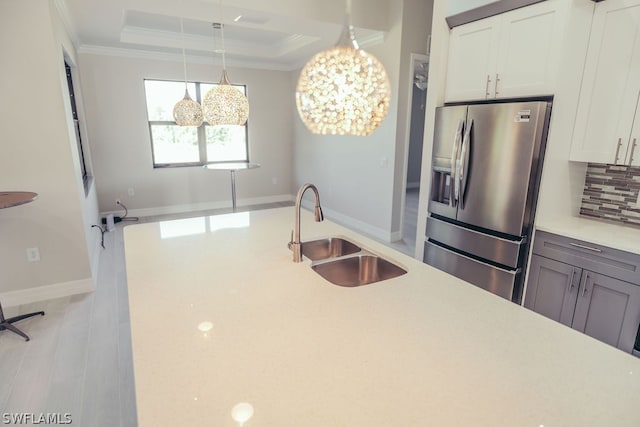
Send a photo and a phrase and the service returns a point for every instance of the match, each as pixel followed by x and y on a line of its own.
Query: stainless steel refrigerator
pixel 486 166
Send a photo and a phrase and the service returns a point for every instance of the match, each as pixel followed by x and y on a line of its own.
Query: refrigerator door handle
pixel 453 199
pixel 463 164
pixel 485 264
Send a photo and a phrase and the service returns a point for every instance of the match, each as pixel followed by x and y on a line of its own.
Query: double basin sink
pixel 344 263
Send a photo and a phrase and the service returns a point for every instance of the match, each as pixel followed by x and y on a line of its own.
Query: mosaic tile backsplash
pixel 611 192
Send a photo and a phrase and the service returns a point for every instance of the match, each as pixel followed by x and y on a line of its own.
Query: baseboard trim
pixel 352 223
pixel 47 292
pixel 95 256
pixel 194 207
pixel 395 236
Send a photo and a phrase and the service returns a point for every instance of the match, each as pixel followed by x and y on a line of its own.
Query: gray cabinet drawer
pixel 600 259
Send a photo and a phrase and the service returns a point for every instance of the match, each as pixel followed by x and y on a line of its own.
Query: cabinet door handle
pixel 584 285
pixel 618 151
pixel 578 245
pixel 573 277
pixel 497 81
pixel 633 148
pixel 486 88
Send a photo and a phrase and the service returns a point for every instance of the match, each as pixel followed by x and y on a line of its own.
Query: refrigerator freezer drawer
pixel 496 249
pixel 495 280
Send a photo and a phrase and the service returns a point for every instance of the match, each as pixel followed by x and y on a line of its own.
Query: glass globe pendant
pixel 224 104
pixel 186 112
pixel 343 90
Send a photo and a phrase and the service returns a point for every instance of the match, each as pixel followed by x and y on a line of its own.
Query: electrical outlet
pixel 117 201
pixel 274 180
pixel 33 255
pixel 131 191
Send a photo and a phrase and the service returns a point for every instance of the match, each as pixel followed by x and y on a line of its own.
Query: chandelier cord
pixel 224 63
pixel 184 56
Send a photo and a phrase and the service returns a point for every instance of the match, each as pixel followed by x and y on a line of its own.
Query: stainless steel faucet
pixel 295 244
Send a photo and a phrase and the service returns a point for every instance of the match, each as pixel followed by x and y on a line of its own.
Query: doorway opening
pixel 413 160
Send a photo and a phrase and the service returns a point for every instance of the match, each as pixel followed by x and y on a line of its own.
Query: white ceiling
pixel 272 34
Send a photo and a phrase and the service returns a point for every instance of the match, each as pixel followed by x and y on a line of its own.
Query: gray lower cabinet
pixel 551 290
pixel 608 309
pixel 572 293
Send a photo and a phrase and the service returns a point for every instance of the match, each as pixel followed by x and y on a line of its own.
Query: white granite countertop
pixel 601 232
pixel 423 349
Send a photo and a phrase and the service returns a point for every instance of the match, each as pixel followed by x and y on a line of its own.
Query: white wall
pixel 458 6
pixel 38 155
pixel 118 130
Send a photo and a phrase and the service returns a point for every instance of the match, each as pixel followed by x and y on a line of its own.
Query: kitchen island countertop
pixel 221 315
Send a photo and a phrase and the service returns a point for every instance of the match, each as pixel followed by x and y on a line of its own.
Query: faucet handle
pixel 290 244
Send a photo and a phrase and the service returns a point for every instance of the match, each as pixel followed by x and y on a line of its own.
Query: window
pixel 76 125
pixel 173 145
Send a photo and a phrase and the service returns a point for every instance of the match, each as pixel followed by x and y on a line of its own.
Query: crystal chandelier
pixel 186 112
pixel 225 104
pixel 343 90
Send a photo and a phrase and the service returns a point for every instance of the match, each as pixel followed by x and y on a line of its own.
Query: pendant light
pixel 186 112
pixel 343 90
pixel 225 104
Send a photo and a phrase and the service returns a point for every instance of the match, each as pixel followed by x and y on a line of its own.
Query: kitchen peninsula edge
pixel 221 315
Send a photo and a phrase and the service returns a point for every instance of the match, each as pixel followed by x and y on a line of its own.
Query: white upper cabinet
pixel 514 54
pixel 472 57
pixel 605 131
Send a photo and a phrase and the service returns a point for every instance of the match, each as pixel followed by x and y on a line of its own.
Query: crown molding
pixel 158 38
pixel 371 40
pixel 67 22
pixel 368 41
pixel 177 57
pixel 295 42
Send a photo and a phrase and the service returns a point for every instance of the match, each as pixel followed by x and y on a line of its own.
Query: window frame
pixel 201 130
pixel 84 171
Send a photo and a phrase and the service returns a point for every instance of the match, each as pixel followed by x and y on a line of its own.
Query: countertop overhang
pixel 221 315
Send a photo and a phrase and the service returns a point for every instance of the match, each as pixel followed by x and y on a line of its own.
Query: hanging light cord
pixel 348 37
pixel 184 56
pixel 224 63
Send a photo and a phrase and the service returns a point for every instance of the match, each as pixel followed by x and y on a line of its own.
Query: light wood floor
pixel 79 359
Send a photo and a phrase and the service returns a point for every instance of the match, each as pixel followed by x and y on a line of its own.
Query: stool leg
pixel 23 316
pixel 13 329
pixel 7 323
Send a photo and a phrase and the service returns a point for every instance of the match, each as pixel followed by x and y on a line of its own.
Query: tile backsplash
pixel 610 192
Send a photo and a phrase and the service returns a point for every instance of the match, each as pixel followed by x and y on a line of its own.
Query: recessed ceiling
pixel 255 35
